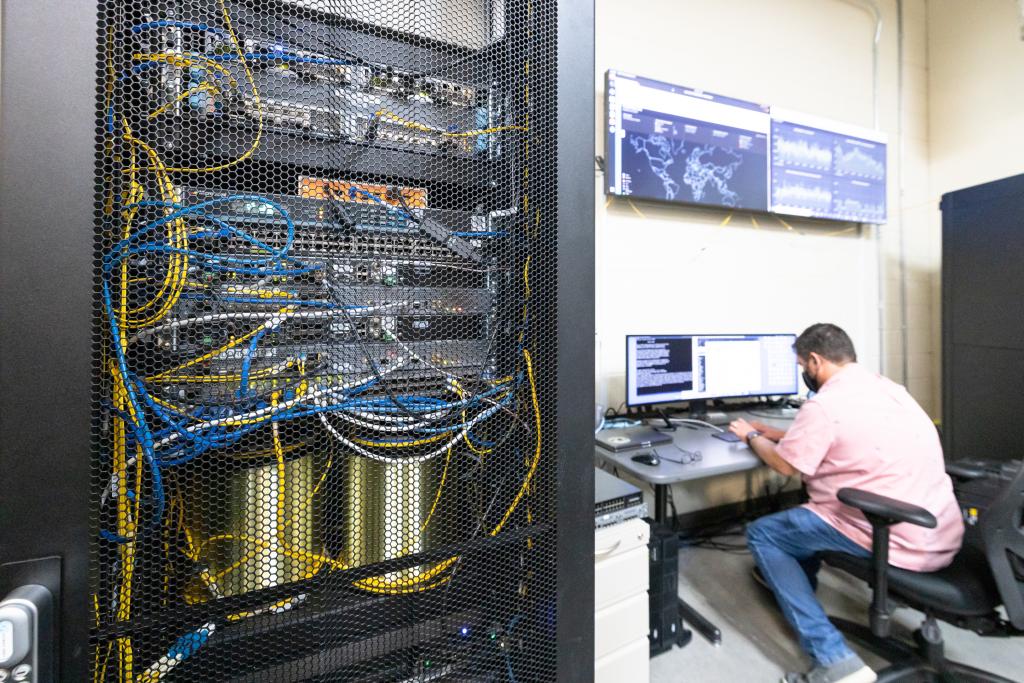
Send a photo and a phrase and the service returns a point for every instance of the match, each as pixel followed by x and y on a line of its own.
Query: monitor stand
pixel 699 410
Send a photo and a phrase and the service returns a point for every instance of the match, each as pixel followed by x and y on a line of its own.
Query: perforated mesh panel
pixel 325 287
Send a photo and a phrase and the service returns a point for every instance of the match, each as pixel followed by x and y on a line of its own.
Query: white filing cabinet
pixel 621 617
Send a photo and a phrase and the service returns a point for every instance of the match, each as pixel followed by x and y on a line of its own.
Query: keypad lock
pixel 26 648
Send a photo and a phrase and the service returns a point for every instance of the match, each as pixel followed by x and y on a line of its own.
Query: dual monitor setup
pixel 677 144
pixel 674 368
pixel 698 368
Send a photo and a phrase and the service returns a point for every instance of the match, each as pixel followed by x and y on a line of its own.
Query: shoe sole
pixel 759 579
pixel 863 675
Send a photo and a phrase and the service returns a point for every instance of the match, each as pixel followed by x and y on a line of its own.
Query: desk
pixel 717 457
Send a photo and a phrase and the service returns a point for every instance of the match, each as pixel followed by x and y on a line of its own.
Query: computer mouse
pixel 649 459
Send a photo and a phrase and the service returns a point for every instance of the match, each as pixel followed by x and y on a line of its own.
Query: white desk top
pixel 717 456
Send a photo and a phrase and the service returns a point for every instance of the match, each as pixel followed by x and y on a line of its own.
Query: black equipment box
pixel 666 622
pixel 975 496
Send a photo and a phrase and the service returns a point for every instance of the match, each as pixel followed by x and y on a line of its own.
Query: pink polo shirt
pixel 864 431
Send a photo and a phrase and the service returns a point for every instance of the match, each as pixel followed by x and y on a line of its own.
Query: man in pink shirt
pixel 858 430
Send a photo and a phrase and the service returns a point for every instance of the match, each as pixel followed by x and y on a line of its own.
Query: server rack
pixel 982 339
pixel 296 335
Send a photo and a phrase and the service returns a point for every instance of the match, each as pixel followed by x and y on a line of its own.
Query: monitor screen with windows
pixel 670 368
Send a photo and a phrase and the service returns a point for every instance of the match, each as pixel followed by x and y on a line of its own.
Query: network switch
pixel 291 90
pixel 316 66
pixel 380 129
pixel 360 222
pixel 415 87
pixel 297 116
pixel 412 363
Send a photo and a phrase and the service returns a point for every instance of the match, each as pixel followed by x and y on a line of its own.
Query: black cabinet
pixel 982 320
pixel 296 318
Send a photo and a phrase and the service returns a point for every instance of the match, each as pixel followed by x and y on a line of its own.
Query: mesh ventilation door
pixel 325 295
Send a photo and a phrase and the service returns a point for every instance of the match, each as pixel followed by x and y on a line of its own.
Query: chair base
pixel 924 663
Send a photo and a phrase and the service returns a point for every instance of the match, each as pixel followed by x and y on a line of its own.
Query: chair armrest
pixel 965 470
pixel 886 511
pixel 883 512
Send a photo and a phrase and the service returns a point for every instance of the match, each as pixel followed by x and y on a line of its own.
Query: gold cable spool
pixel 388 515
pixel 264 532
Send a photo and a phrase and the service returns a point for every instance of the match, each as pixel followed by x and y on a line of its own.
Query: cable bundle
pixel 173 270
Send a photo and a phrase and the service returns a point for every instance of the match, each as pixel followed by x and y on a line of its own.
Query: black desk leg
pixel 689 615
pixel 697 620
pixel 661 505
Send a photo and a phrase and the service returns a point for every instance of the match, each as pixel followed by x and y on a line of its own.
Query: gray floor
pixel 757 644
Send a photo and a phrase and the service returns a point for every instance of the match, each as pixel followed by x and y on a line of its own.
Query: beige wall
pixel 975 107
pixel 976 92
pixel 910 263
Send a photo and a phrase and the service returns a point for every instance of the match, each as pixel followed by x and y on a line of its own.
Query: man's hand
pixel 772 433
pixel 763 448
pixel 741 428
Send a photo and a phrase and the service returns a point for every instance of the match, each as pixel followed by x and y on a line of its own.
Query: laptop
pixel 618 440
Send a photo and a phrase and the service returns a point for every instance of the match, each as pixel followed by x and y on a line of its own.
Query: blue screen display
pixel 677 144
pixel 826 174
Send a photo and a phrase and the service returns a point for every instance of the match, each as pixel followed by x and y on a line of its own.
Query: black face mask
pixel 812 384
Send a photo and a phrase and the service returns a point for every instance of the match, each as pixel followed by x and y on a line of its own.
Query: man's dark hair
pixel 828 341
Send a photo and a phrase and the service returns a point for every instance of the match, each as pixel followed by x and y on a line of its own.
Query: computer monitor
pixel 679 144
pixel 671 368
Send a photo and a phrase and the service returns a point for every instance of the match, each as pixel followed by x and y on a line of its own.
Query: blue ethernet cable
pixel 243 385
pixel 146 441
pixel 198 208
pixel 353 192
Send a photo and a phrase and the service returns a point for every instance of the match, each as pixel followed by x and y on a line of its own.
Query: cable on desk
pixel 687 420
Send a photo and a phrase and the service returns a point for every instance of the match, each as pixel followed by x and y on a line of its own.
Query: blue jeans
pixel 787 547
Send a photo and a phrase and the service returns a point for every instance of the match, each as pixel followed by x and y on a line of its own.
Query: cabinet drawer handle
pixel 608 551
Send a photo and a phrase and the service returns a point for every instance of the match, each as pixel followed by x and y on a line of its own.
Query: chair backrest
pixel 1002 531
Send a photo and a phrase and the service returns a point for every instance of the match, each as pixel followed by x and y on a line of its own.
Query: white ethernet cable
pixel 260 315
pixel 269 410
pixel 412 459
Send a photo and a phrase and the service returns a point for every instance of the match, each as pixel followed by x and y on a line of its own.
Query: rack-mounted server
pixel 295 303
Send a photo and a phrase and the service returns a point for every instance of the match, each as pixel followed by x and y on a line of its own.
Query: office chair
pixel 967 593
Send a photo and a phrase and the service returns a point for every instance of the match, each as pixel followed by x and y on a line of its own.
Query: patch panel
pixel 367 228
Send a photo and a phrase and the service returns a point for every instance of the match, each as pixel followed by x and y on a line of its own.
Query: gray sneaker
pixel 759 578
pixel 850 670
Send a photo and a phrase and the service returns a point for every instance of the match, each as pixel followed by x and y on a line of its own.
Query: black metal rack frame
pixel 48 322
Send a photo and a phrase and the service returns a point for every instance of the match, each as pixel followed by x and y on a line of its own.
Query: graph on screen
pixel 678 144
pixel 825 169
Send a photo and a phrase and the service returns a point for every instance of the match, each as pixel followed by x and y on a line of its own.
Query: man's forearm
pixel 765 449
